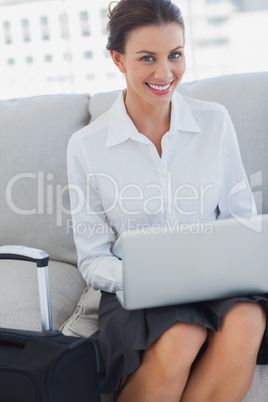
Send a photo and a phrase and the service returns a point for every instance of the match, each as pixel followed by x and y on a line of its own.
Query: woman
pixel 122 163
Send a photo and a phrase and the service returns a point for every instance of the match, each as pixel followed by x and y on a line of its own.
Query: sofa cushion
pixel 245 97
pixel 259 388
pixel 84 321
pixel 34 199
pixel 19 298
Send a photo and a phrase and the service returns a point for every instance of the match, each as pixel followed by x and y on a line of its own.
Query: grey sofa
pixel 34 200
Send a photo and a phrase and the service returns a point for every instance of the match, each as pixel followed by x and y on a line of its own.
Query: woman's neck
pixel 151 121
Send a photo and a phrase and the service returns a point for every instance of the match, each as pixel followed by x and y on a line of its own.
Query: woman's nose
pixel 163 72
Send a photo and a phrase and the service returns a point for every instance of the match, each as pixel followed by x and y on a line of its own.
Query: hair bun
pixel 111 8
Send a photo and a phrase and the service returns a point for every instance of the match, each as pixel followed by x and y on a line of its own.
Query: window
pixel 213 1
pixel 84 23
pixel 44 28
pixel 29 59
pixel 64 27
pixel 7 32
pixel 88 55
pixel 68 56
pixel 251 5
pixel 10 61
pixel 217 21
pixel 25 30
pixel 213 42
pixel 59 79
pixel 104 20
pixel 48 58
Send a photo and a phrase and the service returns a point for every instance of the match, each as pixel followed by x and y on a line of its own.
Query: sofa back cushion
pixel 34 199
pixel 246 97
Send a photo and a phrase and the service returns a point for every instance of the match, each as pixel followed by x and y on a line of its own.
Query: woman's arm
pixel 93 237
pixel 236 197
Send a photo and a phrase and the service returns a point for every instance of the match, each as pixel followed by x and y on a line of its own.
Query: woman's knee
pixel 247 317
pixel 177 348
pixel 242 329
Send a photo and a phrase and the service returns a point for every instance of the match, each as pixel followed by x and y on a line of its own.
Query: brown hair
pixel 128 15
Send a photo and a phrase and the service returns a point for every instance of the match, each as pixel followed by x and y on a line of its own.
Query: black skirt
pixel 124 335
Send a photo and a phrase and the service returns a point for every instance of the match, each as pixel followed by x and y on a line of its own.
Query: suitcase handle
pixel 14 339
pixel 41 259
pixel 24 253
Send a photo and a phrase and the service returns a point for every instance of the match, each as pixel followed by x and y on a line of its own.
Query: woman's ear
pixel 118 60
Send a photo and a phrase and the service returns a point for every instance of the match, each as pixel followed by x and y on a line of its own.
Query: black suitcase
pixel 45 366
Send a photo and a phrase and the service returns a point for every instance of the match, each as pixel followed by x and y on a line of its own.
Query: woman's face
pixel 153 63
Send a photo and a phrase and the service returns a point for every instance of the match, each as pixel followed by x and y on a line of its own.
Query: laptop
pixel 190 263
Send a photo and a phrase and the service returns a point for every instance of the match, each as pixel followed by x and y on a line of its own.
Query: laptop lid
pixel 192 263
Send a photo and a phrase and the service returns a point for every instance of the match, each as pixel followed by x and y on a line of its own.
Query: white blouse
pixel 118 181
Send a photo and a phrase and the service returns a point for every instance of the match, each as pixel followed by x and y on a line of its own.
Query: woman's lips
pixel 159 89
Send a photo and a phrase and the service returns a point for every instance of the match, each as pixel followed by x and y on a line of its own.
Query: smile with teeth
pixel 159 87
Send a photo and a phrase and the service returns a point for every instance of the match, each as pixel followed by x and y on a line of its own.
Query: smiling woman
pixel 150 67
pixel 152 70
pixel 158 148
pixel 153 58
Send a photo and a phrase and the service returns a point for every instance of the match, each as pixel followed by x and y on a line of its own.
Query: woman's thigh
pixel 241 330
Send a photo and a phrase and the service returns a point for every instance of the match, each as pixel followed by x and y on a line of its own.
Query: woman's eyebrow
pixel 153 53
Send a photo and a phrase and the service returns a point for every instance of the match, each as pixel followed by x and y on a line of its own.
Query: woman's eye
pixel 147 58
pixel 176 55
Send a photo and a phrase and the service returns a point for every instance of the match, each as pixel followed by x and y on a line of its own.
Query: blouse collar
pixel 121 127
